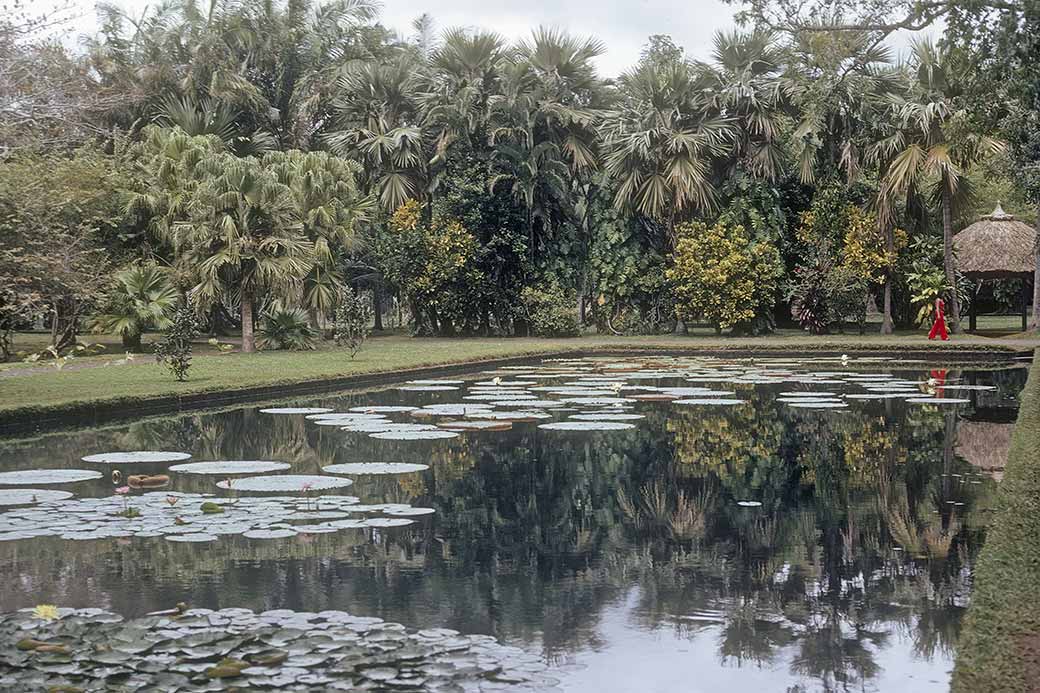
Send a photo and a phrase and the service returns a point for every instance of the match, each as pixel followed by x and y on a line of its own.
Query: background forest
pixel 275 165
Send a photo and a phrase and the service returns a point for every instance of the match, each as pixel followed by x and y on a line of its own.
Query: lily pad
pixel 285 482
pixel 383 409
pixel 226 467
pixel 937 400
pixel 428 388
pixel 375 468
pixel 46 476
pixel 141 456
pixel 586 426
pixel 296 410
pixel 709 401
pixel 606 417
pixel 269 533
pixel 414 435
pixel 27 496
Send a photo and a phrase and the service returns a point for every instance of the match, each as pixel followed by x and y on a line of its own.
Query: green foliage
pixel 550 310
pixel 143 298
pixel 57 241
pixel 845 292
pixel 286 328
pixel 432 263
pixel 174 347
pixel 720 275
pixel 353 321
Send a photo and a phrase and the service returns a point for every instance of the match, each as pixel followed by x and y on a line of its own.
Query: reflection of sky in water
pixel 662 660
pixel 622 556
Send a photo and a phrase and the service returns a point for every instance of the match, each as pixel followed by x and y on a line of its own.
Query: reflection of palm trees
pixel 661 508
pixel 838 652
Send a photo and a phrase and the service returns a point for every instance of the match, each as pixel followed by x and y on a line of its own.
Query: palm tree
pixel 144 298
pixel 662 143
pixel 331 209
pixel 746 85
pixel 934 147
pixel 379 124
pixel 242 238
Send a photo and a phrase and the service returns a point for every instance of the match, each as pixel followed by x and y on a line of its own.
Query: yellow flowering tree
pixel 432 264
pixel 719 274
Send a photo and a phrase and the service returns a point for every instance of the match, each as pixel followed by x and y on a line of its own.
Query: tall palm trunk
pixel 949 266
pixel 248 339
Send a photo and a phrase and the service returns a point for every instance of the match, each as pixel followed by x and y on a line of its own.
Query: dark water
pixel 622 557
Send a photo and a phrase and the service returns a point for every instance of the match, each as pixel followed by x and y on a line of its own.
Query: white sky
pixel 623 25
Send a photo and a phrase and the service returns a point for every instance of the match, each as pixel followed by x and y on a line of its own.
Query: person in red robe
pixel 939 325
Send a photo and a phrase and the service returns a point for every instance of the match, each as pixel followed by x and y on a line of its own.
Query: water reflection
pixel 623 557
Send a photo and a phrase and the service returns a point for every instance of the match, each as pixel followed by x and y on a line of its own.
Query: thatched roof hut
pixel 985 444
pixel 996 247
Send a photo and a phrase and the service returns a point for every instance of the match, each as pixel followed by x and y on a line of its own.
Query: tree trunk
pixel 132 342
pixel 1036 275
pixel 886 324
pixel 890 250
pixel 377 306
pixel 949 266
pixel 248 339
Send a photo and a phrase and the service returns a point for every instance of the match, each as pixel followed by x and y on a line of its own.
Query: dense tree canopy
pixel 273 153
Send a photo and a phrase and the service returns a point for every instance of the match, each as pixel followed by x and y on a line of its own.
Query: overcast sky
pixel 623 25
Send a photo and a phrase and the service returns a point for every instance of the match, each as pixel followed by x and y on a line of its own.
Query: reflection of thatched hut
pixel 997 247
pixel 985 444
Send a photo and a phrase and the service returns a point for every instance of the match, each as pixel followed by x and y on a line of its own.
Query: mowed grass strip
pixel 999 648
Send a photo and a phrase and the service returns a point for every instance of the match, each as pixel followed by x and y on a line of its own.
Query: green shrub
pixel 353 318
pixel 550 310
pixel 174 348
pixel 286 328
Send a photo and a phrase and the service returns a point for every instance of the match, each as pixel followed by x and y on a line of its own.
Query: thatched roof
pixel 997 246
pixel 984 444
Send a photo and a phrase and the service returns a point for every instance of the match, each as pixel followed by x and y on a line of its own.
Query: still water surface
pixel 747 547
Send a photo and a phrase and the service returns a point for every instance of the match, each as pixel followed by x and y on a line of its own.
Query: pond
pixel 614 523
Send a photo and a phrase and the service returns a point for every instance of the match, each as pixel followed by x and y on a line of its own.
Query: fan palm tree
pixel 934 147
pixel 379 124
pixel 144 298
pixel 331 209
pixel 662 143
pixel 746 85
pixel 243 237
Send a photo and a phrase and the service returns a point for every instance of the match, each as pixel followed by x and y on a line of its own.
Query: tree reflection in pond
pixel 849 569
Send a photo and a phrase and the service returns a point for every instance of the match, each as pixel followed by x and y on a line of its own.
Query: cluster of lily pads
pixel 195 517
pixel 237 649
pixel 596 394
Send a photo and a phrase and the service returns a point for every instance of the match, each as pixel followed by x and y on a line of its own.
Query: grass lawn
pixel 25 393
pixel 999 648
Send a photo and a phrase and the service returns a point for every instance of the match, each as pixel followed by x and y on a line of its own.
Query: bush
pixel 286 328
pixel 721 275
pixel 550 310
pixel 845 292
pixel 174 348
pixel 353 315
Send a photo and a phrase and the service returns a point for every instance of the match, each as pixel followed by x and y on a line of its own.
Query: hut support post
pixel 973 313
pixel 1025 305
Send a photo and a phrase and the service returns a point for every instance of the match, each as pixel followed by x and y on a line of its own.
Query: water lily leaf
pixel 140 456
pixel 374 468
pixel 230 467
pixel 27 496
pixel 47 476
pixel 586 426
pixel 296 410
pixel 285 482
